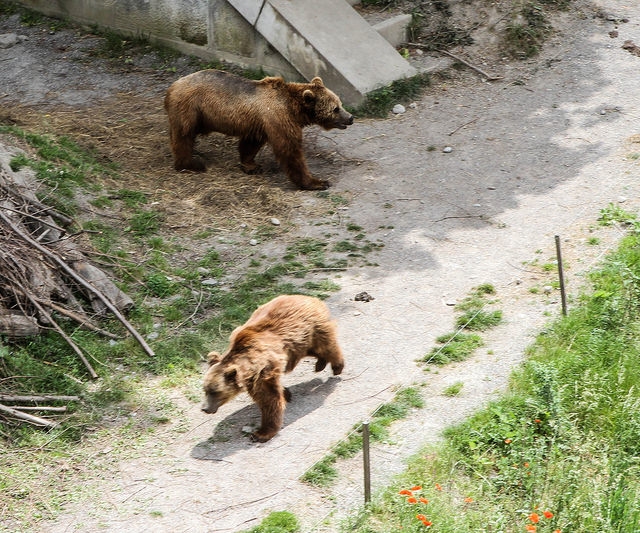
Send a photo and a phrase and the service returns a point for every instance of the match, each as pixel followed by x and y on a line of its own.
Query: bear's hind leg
pixel 320 363
pixel 249 148
pixel 327 350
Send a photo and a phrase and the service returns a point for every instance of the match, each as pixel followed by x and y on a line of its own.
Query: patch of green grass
pixel 144 223
pixel 115 45
pixel 379 102
pixel 277 522
pixel 475 315
pixel 160 286
pixel 526 32
pixel 479 320
pixel 323 473
pixel 454 389
pixel 614 214
pixel 456 346
pixel 336 200
pixel 60 164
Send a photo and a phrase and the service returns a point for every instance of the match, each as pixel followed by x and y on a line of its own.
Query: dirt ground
pixel 534 154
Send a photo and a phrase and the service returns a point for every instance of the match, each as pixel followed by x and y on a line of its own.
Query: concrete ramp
pixel 327 38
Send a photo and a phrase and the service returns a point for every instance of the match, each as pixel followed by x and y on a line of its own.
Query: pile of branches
pixel 44 273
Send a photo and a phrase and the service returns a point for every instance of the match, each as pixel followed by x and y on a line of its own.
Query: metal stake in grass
pixel 366 462
pixel 563 295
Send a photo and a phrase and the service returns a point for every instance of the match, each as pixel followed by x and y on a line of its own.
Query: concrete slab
pixel 328 39
pixel 394 29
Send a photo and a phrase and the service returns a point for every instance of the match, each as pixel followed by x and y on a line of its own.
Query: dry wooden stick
pixel 81 281
pixel 61 332
pixel 473 67
pixel 43 398
pixel 22 408
pixel 458 58
pixel 83 321
pixel 36 203
pixel 36 420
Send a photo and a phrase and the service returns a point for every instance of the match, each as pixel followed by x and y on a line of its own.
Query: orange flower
pixel 423 500
pixel 537 421
pixel 534 517
pixel 405 492
pixel 421 517
pixel 531 527
pixel 411 499
pixel 417 487
pixel 468 500
pixel 427 523
pixel 438 487
pixel 557 531
pixel 508 441
pixel 526 465
pixel 548 514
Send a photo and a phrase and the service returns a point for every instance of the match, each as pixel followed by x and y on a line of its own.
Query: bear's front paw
pixel 315 185
pixel 251 168
pixel 193 165
pixel 262 436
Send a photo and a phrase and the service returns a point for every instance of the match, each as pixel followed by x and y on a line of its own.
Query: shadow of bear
pixel 228 435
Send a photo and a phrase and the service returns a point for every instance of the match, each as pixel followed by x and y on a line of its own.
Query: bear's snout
pixel 210 404
pixel 344 121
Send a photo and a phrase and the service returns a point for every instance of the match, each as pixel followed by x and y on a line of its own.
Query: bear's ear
pixel 231 375
pixel 317 81
pixel 213 358
pixel 308 96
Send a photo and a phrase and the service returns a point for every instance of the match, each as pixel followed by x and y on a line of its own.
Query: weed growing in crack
pixel 475 316
pixel 324 472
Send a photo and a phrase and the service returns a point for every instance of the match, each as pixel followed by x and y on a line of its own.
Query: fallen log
pixel 16 326
pixel 35 420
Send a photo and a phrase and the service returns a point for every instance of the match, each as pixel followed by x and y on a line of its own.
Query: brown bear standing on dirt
pixel 274 339
pixel 266 111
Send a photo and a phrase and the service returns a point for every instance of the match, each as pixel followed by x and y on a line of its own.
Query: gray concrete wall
pixel 210 29
pixel 297 40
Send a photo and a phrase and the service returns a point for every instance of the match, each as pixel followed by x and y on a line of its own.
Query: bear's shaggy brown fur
pixel 274 339
pixel 258 112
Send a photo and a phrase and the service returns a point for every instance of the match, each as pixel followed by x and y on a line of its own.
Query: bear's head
pixel 324 106
pixel 252 358
pixel 221 383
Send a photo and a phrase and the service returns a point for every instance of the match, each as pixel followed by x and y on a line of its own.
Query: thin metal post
pixel 366 462
pixel 563 295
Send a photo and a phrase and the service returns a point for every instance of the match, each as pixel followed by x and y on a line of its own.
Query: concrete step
pixel 328 39
pixel 391 24
pixel 394 29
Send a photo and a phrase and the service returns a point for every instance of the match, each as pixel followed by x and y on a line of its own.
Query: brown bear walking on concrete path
pixel 273 341
pixel 258 112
